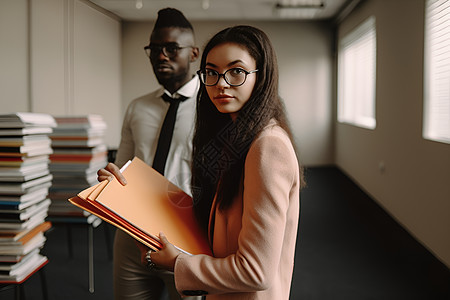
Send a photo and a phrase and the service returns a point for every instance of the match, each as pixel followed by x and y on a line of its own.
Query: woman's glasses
pixel 234 76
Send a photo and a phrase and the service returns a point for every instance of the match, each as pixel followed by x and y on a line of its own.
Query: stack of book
pixel 79 151
pixel 24 186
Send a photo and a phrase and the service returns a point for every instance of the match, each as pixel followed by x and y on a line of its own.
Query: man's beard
pixel 171 79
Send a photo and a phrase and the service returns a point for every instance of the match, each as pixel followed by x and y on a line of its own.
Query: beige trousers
pixel 133 280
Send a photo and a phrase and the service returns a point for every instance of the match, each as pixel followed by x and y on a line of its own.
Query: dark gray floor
pixel 348 248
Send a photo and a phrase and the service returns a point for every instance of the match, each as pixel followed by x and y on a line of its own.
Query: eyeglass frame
pixel 163 48
pixel 199 72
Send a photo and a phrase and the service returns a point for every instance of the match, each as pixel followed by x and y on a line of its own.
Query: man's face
pixel 171 69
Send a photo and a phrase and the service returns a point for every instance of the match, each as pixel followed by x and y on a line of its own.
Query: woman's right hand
pixel 109 172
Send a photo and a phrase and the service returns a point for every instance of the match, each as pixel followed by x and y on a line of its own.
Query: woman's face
pixel 227 98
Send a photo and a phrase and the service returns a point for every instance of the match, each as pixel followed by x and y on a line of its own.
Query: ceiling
pixel 257 10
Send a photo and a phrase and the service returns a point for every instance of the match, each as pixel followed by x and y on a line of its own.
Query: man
pixel 171 51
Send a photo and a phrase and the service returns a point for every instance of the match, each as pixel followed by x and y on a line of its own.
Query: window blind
pixel 436 125
pixel 357 76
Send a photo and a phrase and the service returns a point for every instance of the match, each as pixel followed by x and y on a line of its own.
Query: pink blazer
pixel 254 240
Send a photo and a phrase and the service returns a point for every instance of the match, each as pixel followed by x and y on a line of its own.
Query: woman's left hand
pixel 165 258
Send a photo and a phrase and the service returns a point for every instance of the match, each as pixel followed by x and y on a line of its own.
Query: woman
pixel 246 178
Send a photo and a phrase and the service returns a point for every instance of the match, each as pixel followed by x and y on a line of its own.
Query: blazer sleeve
pixel 271 168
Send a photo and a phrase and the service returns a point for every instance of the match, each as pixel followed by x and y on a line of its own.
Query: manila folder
pixel 153 204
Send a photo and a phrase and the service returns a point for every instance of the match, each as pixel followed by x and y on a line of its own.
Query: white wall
pixel 305 63
pixel 49 57
pixel 97 68
pixel 61 57
pixel 415 185
pixel 14 83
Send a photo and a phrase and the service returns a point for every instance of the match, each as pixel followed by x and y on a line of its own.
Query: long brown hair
pixel 220 145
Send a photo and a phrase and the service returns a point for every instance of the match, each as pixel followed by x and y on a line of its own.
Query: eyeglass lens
pixel 168 50
pixel 235 76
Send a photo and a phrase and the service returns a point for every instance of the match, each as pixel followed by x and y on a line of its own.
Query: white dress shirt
pixel 141 127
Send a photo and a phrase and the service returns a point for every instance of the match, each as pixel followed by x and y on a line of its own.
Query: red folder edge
pixel 110 217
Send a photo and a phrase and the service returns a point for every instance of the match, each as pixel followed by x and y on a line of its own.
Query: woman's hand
pixel 109 172
pixel 165 258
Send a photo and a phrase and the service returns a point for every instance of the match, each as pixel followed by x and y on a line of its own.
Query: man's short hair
pixel 171 17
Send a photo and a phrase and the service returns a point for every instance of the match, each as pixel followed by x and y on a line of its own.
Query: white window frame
pixel 357 76
pixel 436 112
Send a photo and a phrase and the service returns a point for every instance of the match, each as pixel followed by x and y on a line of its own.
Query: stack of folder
pixel 147 205
pixel 24 185
pixel 79 151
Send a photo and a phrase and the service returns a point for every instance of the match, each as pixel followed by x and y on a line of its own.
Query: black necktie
pixel 165 136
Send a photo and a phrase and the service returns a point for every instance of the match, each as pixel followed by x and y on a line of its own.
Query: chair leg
pixel 69 240
pixel 44 284
pixel 108 240
pixel 19 292
pixel 91 257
